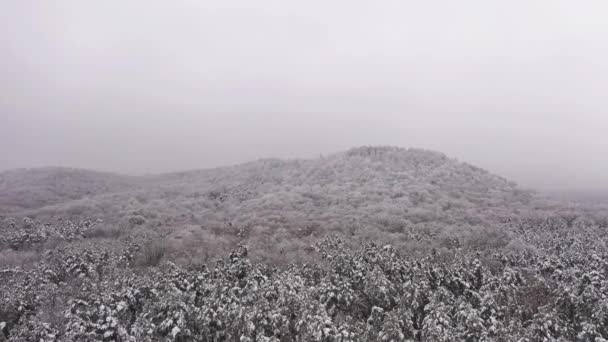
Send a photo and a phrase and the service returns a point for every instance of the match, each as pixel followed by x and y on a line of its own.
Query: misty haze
pixel 303 171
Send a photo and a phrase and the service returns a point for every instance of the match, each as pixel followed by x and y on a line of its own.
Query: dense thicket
pixel 88 289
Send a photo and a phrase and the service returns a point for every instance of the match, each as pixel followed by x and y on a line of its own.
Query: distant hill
pixel 360 177
pixel 366 193
pixel 35 188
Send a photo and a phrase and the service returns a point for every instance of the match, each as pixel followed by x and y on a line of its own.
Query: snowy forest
pixel 371 244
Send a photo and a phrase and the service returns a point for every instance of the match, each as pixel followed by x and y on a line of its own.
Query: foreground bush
pixel 88 291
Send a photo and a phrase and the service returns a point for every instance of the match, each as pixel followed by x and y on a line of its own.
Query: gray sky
pixel 517 87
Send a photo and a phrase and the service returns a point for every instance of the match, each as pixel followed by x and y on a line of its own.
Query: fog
pixel 516 87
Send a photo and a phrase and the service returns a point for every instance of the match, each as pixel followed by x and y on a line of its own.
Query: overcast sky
pixel 518 87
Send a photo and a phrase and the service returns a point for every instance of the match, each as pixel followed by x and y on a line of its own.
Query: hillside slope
pixel 281 207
